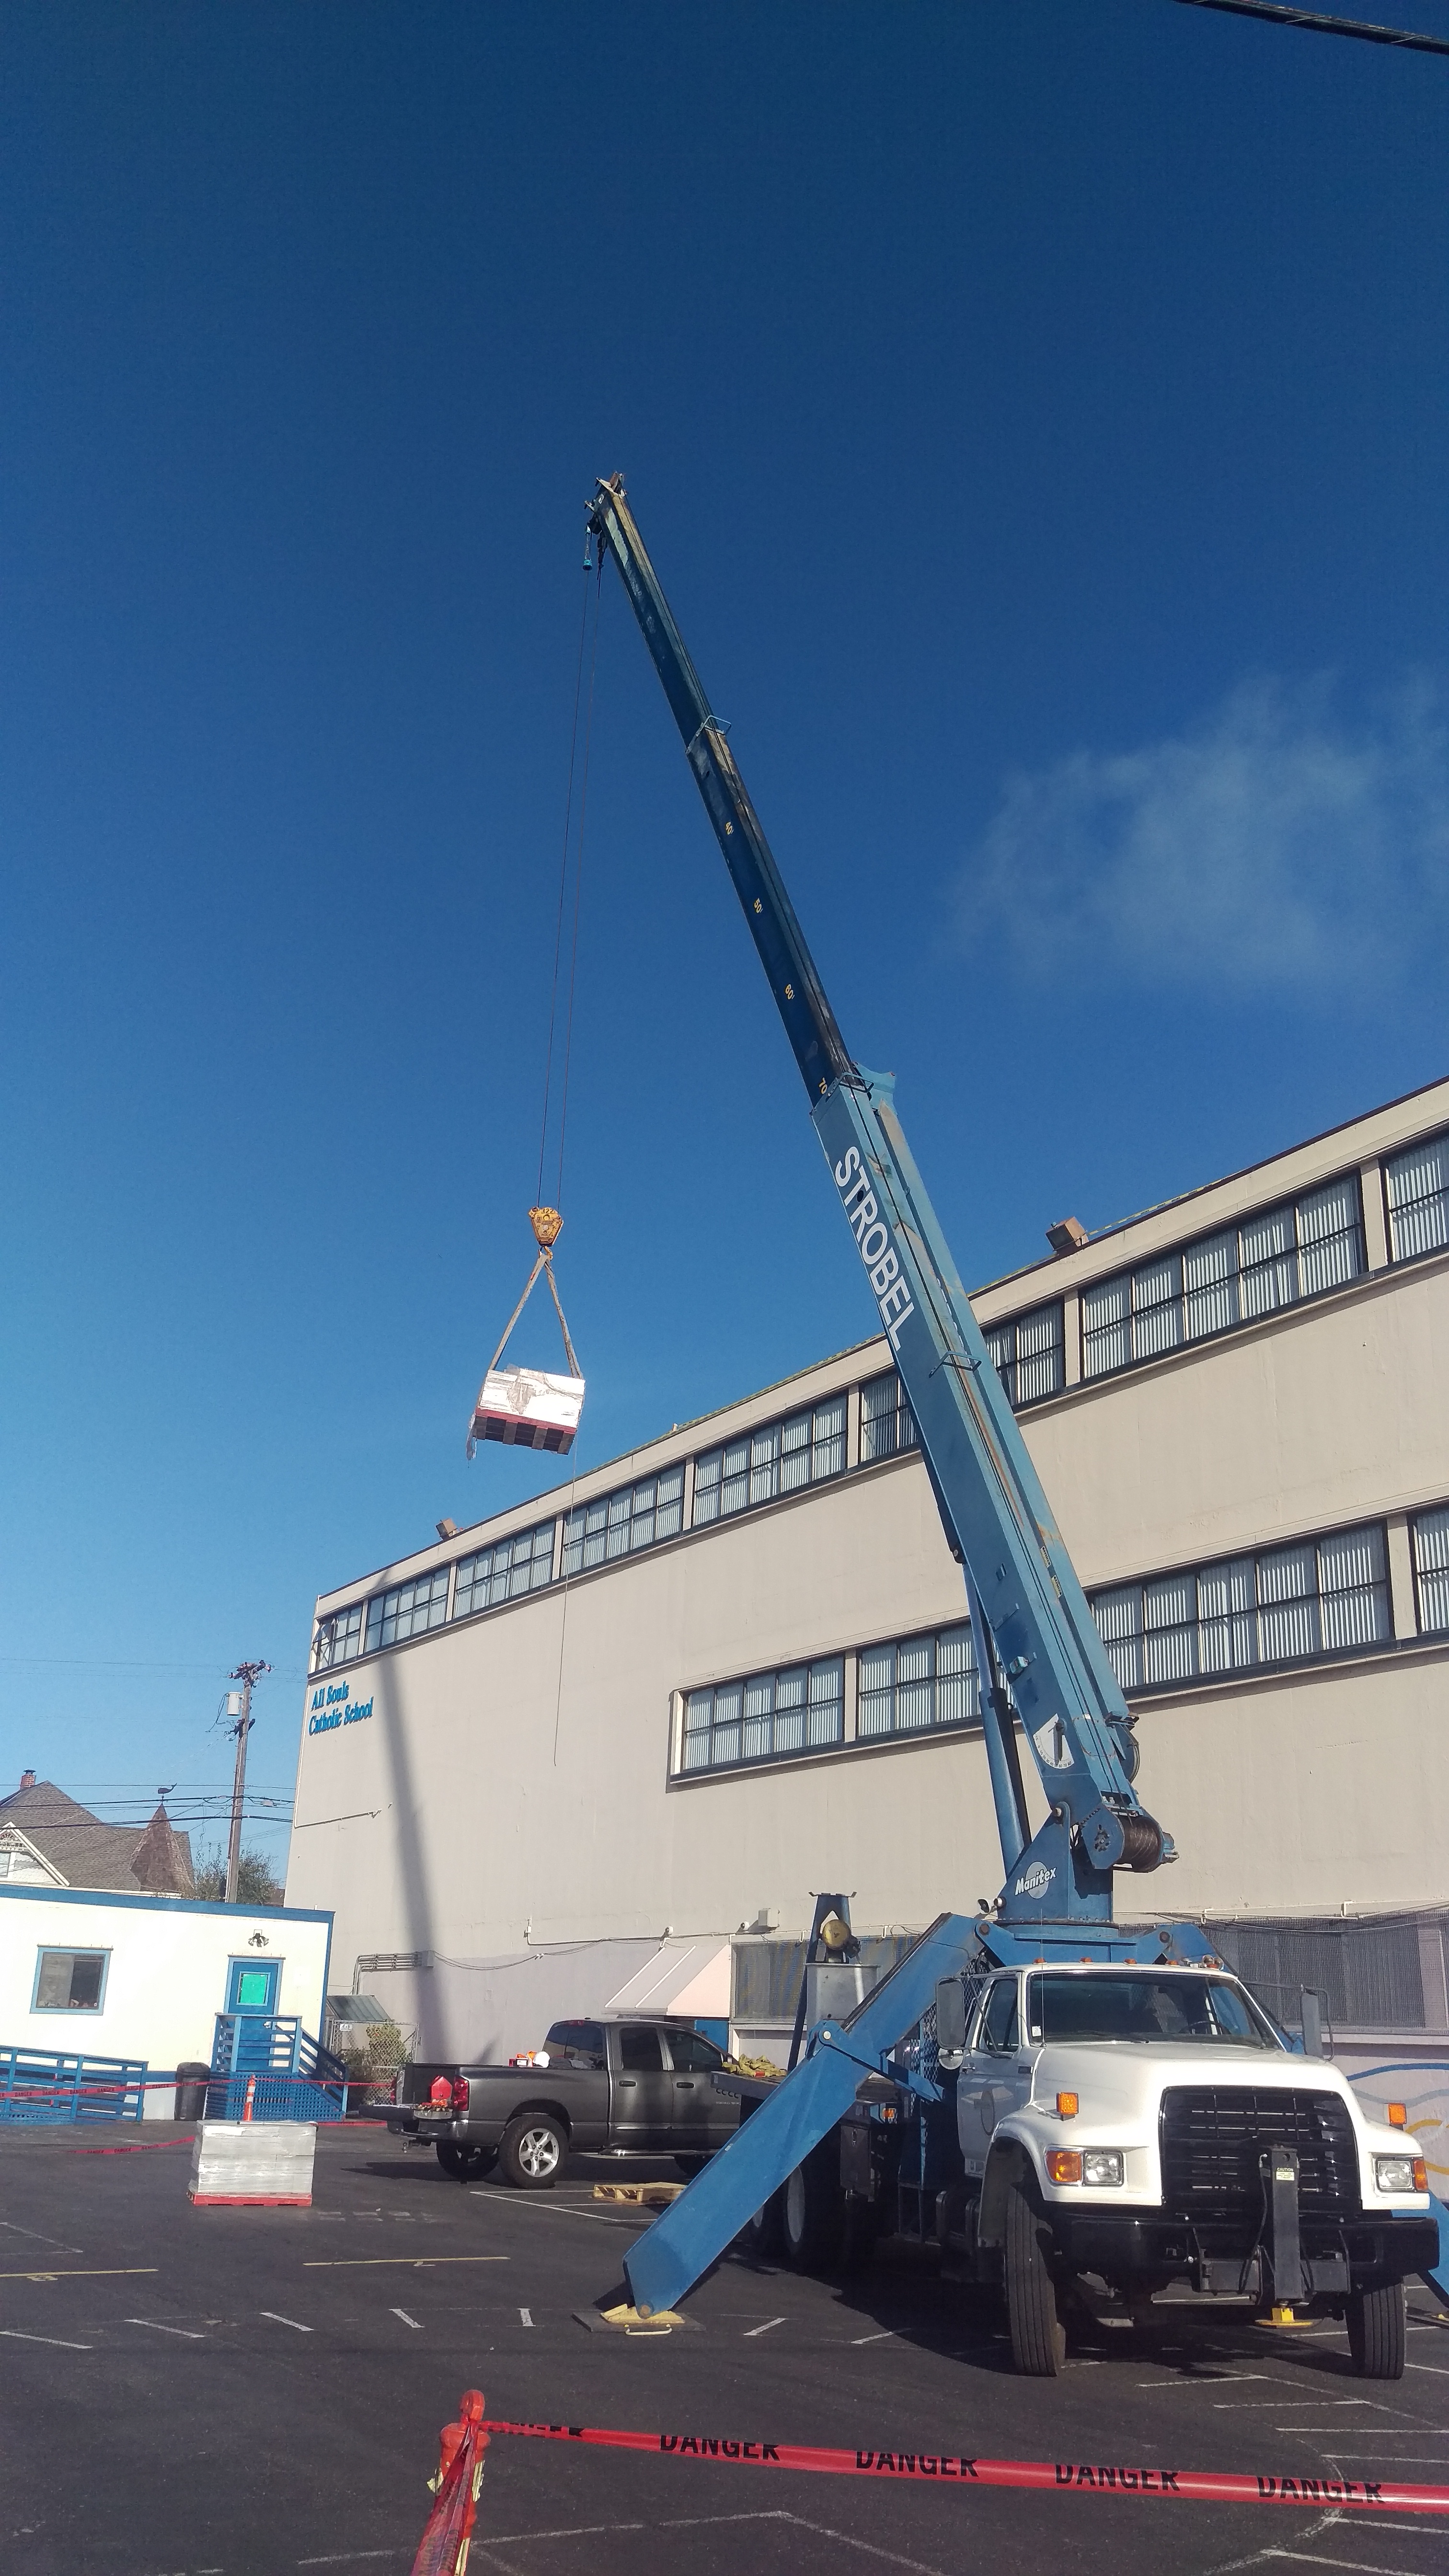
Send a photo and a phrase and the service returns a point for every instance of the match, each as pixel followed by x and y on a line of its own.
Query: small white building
pixel 142 1978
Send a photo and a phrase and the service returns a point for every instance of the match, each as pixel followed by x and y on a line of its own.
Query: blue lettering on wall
pixel 334 1706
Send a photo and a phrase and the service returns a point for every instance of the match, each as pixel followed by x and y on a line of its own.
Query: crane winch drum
pixel 529 1408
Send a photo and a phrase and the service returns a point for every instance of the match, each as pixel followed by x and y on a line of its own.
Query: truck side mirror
pixel 950 2017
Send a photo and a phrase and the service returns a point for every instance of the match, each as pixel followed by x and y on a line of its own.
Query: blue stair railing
pixel 291 2075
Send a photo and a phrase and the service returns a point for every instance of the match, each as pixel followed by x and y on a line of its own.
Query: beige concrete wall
pixel 1330 1412
pixel 512 1782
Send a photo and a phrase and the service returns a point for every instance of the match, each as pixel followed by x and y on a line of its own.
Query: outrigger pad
pixel 529 1409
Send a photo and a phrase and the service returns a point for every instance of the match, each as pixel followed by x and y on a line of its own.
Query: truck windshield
pixel 1206 2010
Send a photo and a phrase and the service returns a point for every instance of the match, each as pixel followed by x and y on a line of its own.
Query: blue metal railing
pixel 40 2087
pixel 291 2075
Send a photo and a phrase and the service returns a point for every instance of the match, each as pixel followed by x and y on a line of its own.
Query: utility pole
pixel 239 1707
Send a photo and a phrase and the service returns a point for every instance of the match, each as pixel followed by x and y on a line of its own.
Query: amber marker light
pixel 1063 2164
pixel 1421 2174
pixel 1066 2106
pixel 1398 2116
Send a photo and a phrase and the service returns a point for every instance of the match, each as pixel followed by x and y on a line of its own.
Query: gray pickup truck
pixel 616 2088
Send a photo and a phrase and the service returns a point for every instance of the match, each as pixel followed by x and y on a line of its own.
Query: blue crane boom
pixel 1039 1655
pixel 1041 1661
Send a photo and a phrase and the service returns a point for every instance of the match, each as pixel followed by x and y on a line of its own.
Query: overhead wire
pixel 578 887
pixel 563 875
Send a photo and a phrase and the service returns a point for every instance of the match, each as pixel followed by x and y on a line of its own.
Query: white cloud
pixel 1269 845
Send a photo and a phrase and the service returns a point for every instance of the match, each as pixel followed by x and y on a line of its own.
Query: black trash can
pixel 191 2083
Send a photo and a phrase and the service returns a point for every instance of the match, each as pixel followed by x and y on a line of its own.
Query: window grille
pixel 769 1717
pixel 1284 1605
pixel 887 1424
pixel 409 1610
pixel 505 1571
pixel 1275 1258
pixel 1027 1352
pixel 917 1683
pixel 618 1524
pixel 338 1639
pixel 1431 1571
pixel 1417 1183
pixel 779 1458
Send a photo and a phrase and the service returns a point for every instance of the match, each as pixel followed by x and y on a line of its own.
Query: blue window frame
pixel 68 1981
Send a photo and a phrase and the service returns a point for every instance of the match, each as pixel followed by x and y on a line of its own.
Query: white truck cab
pixel 1148 2124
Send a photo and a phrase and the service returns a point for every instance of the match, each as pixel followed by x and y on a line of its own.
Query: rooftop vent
pixel 1068 1236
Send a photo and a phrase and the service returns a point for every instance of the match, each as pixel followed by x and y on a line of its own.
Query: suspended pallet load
pixel 529 1408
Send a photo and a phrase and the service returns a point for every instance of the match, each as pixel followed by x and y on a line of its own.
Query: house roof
pixel 89 1853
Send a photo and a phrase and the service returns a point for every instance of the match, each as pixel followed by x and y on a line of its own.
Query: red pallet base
pixel 251 2200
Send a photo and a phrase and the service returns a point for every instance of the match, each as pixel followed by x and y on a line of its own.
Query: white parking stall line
pixel 1218 2379
pixel 1436 2367
pixel 13 2334
pixel 407 2320
pixel 277 2320
pixel 752 2331
pixel 886 2335
pixel 1355 2566
pixel 156 2327
pixel 525 2316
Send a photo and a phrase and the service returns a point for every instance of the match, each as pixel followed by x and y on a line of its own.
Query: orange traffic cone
pixel 443 2549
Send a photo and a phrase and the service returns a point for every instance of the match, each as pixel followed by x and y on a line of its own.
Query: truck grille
pixel 1213 2134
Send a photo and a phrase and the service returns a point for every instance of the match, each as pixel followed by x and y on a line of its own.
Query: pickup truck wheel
pixel 1038 2337
pixel 813 2209
pixel 463 2163
pixel 533 2152
pixel 1376 2330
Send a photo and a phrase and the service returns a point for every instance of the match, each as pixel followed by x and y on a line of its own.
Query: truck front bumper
pixel 1355 2253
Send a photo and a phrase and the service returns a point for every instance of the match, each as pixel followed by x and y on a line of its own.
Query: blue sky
pixel 1036 412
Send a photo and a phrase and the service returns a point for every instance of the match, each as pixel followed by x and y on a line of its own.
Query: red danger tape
pixel 1201 2486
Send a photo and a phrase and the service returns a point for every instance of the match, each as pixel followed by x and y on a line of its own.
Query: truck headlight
pixel 1102 2165
pixel 1401 2173
pixel 1092 2165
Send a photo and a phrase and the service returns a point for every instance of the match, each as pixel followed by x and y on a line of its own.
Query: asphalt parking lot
pixel 233 2392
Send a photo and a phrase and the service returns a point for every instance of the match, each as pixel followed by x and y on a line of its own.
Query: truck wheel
pixel 463 2163
pixel 533 2152
pixel 1376 2332
pixel 860 2227
pixel 763 2234
pixel 1038 2337
pixel 813 2209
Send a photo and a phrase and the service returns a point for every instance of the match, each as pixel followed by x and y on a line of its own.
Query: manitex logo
pixel 873 1235
pixel 1034 1881
pixel 334 1705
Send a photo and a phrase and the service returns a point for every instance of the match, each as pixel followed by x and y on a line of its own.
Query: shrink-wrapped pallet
pixel 267 2163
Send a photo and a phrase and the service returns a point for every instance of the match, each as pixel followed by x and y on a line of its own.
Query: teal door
pixel 251 1993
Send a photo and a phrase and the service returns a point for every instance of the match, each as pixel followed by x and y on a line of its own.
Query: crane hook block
pixel 547 1226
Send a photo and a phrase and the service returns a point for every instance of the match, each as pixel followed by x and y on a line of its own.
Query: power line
pixel 1318 22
